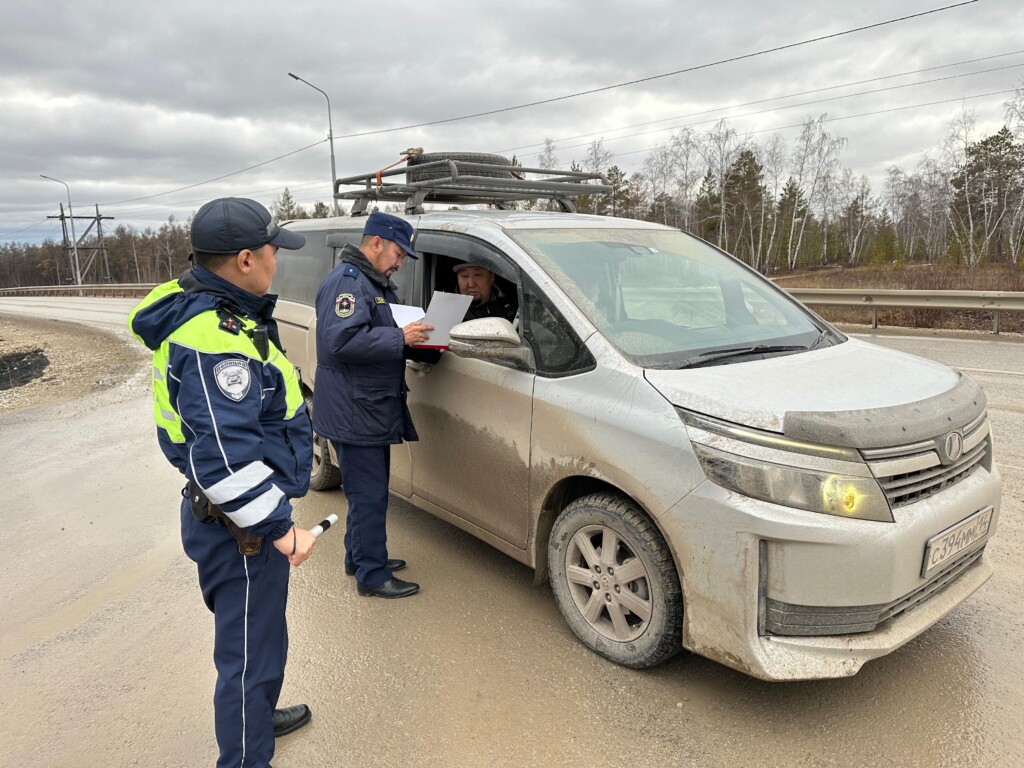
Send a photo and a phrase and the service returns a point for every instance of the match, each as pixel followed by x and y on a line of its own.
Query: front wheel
pixel 615 582
pixel 323 474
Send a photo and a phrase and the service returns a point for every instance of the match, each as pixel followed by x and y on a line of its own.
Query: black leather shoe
pixel 393 565
pixel 291 719
pixel 391 588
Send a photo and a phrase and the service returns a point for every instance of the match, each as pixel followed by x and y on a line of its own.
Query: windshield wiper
pixel 706 358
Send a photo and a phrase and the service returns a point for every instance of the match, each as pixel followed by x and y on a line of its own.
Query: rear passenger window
pixel 305 270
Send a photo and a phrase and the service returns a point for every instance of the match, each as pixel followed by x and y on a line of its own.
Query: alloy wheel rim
pixel 609 583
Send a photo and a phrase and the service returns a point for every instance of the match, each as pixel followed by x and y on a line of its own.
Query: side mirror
pixel 489 338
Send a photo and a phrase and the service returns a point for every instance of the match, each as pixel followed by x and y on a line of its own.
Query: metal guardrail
pixel 985 301
pixel 989 301
pixel 125 290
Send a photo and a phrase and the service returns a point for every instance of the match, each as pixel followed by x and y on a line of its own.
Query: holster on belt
pixel 204 510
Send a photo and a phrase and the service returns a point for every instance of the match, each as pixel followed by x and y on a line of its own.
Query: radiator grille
pixel 908 473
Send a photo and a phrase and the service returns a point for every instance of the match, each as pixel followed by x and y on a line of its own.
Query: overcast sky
pixel 129 100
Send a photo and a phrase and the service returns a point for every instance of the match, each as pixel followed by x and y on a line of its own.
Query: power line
pixel 23 229
pixel 196 201
pixel 218 178
pixel 305 185
pixel 694 68
pixel 845 117
pixel 784 107
pixel 794 95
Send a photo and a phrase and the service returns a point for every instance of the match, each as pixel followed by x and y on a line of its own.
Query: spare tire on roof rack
pixel 413 174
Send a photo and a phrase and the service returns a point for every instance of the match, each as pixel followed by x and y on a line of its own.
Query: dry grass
pixel 928 278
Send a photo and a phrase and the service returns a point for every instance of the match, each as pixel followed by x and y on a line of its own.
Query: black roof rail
pixel 463 183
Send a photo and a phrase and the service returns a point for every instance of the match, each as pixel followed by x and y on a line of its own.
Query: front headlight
pixel 814 491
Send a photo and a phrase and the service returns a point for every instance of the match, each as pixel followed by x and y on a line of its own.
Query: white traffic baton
pixel 323 525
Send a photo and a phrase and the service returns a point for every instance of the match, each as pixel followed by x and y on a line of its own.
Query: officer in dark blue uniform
pixel 230 416
pixel 360 398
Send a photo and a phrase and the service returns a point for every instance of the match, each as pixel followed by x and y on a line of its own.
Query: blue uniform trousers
pixel 248 597
pixel 365 470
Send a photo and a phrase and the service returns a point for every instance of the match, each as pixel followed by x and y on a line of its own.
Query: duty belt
pixel 205 511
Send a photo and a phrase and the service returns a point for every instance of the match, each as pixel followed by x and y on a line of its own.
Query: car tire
pixel 442 172
pixel 323 475
pixel 625 604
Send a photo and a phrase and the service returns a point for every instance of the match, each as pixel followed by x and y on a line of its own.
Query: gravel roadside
pixel 78 359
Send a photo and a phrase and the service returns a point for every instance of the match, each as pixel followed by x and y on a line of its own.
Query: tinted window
pixel 299 273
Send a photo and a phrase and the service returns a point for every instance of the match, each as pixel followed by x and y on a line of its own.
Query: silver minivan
pixel 690 456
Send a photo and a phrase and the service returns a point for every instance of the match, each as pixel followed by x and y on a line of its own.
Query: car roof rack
pixel 464 183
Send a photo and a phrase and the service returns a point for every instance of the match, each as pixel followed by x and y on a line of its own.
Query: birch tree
pixel 659 171
pixel 856 215
pixel 773 160
pixel 979 198
pixel 720 147
pixel 547 159
pixel 815 156
pixel 1014 115
pixel 686 160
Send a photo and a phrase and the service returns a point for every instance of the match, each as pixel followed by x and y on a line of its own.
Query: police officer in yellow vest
pixel 230 416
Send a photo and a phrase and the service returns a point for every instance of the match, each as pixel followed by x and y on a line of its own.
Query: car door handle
pixel 422 369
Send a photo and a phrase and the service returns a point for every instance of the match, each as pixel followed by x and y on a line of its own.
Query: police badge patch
pixel 345 305
pixel 233 378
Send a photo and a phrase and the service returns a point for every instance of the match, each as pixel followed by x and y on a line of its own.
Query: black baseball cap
pixel 232 224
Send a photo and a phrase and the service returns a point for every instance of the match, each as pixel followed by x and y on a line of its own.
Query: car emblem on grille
pixel 951 448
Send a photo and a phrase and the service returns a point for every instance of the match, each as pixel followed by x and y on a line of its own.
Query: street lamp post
pixel 330 137
pixel 74 240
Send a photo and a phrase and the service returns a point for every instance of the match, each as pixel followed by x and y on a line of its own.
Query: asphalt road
pixel 106 645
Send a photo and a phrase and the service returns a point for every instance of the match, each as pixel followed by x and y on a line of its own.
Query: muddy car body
pixel 693 458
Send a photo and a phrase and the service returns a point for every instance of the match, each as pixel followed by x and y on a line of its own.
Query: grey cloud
pixel 172 94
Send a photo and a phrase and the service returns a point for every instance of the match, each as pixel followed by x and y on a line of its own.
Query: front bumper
pixel 757 576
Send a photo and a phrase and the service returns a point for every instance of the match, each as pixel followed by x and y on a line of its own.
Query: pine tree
pixel 284 208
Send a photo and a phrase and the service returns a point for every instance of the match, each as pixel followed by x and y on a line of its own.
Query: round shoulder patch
pixel 233 378
pixel 345 305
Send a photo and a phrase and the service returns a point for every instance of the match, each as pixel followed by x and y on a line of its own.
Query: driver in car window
pixel 488 298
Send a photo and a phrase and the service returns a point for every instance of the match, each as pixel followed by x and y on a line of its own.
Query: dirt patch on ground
pixel 78 359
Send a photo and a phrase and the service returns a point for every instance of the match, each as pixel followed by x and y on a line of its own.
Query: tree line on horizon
pixel 775 205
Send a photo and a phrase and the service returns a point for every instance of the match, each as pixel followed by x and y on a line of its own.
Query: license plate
pixel 952 541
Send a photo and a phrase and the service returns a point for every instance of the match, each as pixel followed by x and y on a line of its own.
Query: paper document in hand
pixel 446 310
pixel 404 314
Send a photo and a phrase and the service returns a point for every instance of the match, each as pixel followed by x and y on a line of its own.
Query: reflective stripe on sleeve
pixel 237 483
pixel 258 509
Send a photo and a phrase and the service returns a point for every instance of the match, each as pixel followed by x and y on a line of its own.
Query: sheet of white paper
pixel 404 314
pixel 444 312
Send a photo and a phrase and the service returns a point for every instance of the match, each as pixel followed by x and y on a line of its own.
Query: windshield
pixel 668 300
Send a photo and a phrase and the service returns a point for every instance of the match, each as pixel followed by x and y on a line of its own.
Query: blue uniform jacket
pixel 360 393
pixel 230 420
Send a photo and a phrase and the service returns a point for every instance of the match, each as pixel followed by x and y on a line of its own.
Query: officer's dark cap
pixel 232 224
pixel 389 227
